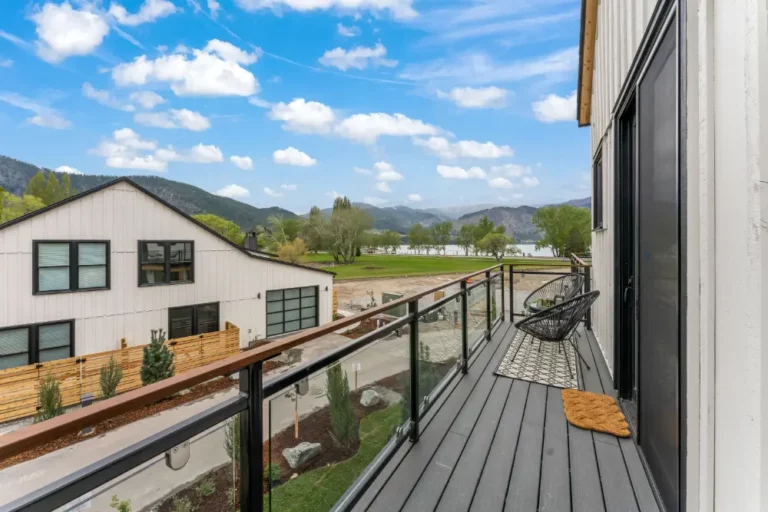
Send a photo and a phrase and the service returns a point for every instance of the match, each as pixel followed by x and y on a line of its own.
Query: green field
pixel 390 265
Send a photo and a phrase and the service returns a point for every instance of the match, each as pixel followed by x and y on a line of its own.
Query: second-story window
pixel 163 262
pixel 70 266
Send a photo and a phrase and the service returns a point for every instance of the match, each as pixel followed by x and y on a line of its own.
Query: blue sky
pixel 287 102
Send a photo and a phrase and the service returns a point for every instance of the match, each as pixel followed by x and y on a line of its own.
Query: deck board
pixel 491 443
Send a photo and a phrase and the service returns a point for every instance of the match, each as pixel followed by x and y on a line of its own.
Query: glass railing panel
pixel 322 433
pixel 496 292
pixel 476 314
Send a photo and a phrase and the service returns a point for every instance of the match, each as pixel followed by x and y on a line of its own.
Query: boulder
pixel 370 398
pixel 301 454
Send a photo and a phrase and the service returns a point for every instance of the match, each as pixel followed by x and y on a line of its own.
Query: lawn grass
pixel 321 488
pixel 390 265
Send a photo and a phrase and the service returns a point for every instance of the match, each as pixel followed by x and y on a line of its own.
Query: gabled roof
pixel 586 61
pixel 253 254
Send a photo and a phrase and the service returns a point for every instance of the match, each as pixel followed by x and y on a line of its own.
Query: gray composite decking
pixel 492 443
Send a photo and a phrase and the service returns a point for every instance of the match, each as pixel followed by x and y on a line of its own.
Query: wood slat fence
pixel 78 376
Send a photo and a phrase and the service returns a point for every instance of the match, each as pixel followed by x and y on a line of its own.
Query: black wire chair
pixel 553 292
pixel 558 324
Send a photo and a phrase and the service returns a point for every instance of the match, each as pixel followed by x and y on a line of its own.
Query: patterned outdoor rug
pixel 547 367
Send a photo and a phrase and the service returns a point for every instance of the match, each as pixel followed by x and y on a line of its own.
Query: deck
pixel 492 443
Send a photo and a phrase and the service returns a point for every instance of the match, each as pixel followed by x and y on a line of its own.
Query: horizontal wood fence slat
pixel 80 375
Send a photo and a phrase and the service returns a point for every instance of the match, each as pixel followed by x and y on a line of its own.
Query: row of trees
pixel 485 237
pixel 565 229
pixel 41 191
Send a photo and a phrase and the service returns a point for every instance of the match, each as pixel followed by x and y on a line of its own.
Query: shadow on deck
pixel 492 443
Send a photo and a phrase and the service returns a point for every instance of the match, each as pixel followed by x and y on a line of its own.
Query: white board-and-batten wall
pixel 124 215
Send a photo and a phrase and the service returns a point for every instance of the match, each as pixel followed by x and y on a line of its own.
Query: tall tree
pixel 497 245
pixel 484 227
pixel 565 229
pixel 441 235
pixel 314 230
pixel 419 238
pixel 280 231
pixel 466 237
pixel 224 227
pixel 391 240
pixel 36 185
pixel 67 190
pixel 15 206
pixel 52 191
pixel 347 226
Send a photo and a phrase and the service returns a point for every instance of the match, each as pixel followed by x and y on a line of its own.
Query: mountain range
pixel 15 174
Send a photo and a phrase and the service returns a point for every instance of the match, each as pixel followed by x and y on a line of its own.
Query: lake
pixel 455 250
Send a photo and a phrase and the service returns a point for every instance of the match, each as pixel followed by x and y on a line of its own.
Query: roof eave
pixel 586 61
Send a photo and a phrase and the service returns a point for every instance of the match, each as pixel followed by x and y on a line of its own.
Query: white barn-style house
pixel 676 94
pixel 116 262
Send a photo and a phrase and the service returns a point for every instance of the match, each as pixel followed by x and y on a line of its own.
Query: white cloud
pixel 259 102
pixel 459 173
pixel 272 193
pixel 243 162
pixel 470 97
pixel 216 70
pixel 555 108
pixel 150 11
pixel 183 118
pixel 387 172
pixel 367 128
pixel 45 116
pixel 68 170
pixel 214 7
pixel 443 148
pixel 414 197
pixel 399 9
pixel 383 186
pixel 359 57
pixel 64 32
pixel 146 99
pixel 512 170
pixel 530 181
pixel 292 156
pixel 501 183
pixel 362 171
pixel 303 116
pixel 6 63
pixel 291 187
pixel 233 191
pixel 200 154
pixel 105 98
pixel 375 200
pixel 345 31
pixel 334 195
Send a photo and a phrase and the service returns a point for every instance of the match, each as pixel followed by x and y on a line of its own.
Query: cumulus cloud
pixel 500 182
pixel 345 31
pixel 214 7
pixel 383 186
pixel 150 10
pixel 200 154
pixel 216 70
pixel 367 128
pixel 146 99
pixel 233 191
pixel 243 162
pixel 292 156
pixel 443 148
pixel 105 98
pixel 44 115
pixel 387 172
pixel 183 118
pixel 555 108
pixel 414 198
pixel 359 57
pixel 304 116
pixel 68 170
pixel 470 97
pixel 399 9
pixel 362 171
pixel 334 195
pixel 272 193
pixel 512 170
pixel 459 173
pixel 530 181
pixel 259 102
pixel 63 31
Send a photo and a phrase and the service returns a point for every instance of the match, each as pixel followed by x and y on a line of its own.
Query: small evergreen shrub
pixel 50 399
pixel 158 360
pixel 182 505
pixel 272 472
pixel 111 375
pixel 343 423
pixel 120 506
pixel 206 488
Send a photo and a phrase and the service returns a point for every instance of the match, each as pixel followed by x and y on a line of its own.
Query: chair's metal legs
pixel 576 348
pixel 565 352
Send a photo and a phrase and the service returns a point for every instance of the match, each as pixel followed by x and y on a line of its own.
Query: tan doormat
pixel 596 412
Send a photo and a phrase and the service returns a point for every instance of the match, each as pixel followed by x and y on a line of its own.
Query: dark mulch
pixel 272 364
pixel 366 326
pixel 216 502
pixel 195 393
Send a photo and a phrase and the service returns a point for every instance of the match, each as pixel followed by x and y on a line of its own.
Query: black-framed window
pixel 166 262
pixel 597 192
pixel 36 343
pixel 291 310
pixel 70 266
pixel 186 321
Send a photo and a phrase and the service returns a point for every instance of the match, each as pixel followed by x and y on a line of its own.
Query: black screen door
pixel 658 274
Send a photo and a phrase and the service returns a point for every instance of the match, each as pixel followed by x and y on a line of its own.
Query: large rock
pixel 370 398
pixel 301 454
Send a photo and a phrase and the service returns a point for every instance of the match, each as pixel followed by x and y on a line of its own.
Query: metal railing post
pixel 413 311
pixel 252 440
pixel 489 320
pixel 502 293
pixel 511 293
pixel 464 328
pixel 587 289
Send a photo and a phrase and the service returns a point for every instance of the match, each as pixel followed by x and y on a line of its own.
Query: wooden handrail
pixel 39 433
pixel 579 261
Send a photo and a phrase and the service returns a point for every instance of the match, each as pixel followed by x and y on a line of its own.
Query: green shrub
pixel 232 439
pixel 120 506
pixel 272 472
pixel 206 488
pixel 111 375
pixel 158 360
pixel 182 505
pixel 50 399
pixel 343 423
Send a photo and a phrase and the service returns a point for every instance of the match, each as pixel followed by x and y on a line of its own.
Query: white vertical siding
pixel 125 215
pixel 620 28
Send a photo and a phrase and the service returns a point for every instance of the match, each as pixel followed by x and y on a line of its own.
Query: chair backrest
pixel 555 323
pixel 564 287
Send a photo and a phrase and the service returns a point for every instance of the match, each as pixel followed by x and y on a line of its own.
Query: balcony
pixel 434 428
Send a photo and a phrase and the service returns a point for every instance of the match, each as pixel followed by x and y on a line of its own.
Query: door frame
pixel 665 12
